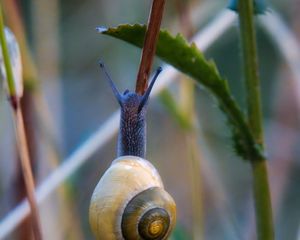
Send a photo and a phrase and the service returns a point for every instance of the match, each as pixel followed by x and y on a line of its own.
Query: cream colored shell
pixel 126 177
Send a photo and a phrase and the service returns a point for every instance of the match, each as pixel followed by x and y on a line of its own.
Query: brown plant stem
pixel 26 167
pixel 18 190
pixel 149 48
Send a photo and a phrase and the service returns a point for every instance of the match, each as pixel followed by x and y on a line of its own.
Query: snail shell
pixel 129 202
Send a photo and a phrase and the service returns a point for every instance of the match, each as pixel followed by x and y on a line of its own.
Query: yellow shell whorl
pixel 150 215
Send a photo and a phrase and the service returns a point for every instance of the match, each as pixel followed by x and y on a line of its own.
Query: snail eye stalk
pixel 111 83
pixel 148 91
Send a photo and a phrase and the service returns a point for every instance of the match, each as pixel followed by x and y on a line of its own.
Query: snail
pixel 129 202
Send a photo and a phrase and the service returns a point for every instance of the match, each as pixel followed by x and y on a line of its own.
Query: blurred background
pixel 67 99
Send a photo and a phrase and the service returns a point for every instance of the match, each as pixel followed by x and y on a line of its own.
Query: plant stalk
pixel 151 37
pixel 262 198
pixel 20 134
pixel 27 172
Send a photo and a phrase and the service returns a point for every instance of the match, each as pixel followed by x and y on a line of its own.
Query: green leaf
pixel 189 60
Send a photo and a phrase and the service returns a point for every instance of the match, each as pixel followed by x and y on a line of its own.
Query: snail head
pixel 131 100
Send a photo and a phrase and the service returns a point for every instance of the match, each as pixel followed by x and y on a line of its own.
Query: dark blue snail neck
pixel 132 133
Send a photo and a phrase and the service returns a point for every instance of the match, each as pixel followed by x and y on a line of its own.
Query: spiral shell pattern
pixel 125 196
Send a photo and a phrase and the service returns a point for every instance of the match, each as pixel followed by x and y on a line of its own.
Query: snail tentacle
pixel 148 91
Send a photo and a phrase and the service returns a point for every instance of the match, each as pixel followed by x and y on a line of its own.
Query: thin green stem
pixel 262 199
pixel 251 68
pixel 6 58
pixel 263 208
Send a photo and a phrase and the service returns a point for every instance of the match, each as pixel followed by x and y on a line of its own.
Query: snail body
pixel 129 202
